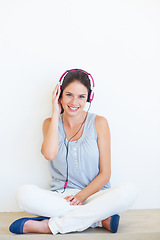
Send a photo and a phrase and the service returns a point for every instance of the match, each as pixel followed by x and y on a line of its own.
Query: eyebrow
pixel 79 94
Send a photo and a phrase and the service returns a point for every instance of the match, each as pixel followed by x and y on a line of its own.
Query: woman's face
pixel 74 97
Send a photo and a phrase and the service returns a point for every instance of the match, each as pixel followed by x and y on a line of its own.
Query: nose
pixel 74 100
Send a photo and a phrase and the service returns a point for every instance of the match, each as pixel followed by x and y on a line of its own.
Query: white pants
pixel 65 218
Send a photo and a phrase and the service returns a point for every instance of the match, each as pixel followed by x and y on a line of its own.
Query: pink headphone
pixel 91 92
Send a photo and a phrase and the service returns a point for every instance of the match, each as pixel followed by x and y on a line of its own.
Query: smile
pixel 73 108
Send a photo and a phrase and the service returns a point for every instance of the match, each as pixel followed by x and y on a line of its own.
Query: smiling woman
pixel 77 145
pixel 76 91
pixel 72 100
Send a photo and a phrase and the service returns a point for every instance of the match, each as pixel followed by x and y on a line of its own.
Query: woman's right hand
pixel 56 105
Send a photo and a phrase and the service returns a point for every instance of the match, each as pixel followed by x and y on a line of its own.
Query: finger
pixel 69 198
pixel 58 91
pixel 66 198
pixel 75 201
pixel 55 91
pixel 78 203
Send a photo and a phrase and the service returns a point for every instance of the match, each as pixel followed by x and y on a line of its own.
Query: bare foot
pixel 106 223
pixel 33 226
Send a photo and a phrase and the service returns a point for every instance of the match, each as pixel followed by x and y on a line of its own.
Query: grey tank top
pixel 83 158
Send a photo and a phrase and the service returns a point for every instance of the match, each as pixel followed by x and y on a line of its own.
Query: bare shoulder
pixel 101 125
pixel 101 121
pixel 46 124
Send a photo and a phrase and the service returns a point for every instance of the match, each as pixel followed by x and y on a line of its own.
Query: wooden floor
pixel 134 225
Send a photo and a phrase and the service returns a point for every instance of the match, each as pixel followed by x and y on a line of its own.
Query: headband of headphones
pixel 91 92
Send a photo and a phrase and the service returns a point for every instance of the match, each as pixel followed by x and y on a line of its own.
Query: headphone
pixel 89 99
pixel 90 93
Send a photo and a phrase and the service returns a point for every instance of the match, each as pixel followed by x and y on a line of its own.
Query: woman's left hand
pixel 73 200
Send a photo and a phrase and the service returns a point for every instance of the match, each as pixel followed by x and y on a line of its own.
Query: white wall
pixel 118 42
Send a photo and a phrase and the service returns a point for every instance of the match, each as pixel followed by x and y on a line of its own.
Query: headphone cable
pixel 66 181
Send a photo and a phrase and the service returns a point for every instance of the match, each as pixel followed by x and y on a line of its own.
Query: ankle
pixel 106 223
pixel 45 227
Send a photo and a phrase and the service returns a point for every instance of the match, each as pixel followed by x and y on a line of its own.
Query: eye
pixel 68 94
pixel 82 96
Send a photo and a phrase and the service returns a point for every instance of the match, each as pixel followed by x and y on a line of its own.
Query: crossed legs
pixel 95 212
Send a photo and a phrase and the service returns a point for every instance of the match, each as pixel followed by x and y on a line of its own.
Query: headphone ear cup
pixel 61 94
pixel 90 96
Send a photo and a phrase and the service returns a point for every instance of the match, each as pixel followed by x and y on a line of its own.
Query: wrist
pixel 55 115
pixel 80 197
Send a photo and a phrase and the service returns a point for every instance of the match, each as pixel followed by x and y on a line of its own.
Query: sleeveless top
pixel 83 158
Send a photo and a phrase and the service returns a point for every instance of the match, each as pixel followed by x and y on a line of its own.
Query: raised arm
pixel 50 129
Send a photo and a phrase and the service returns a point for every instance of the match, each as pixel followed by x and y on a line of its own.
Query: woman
pixel 77 145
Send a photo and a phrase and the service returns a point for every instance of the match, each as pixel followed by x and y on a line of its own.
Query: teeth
pixel 73 108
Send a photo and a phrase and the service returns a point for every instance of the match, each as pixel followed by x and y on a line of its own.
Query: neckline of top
pixel 83 133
